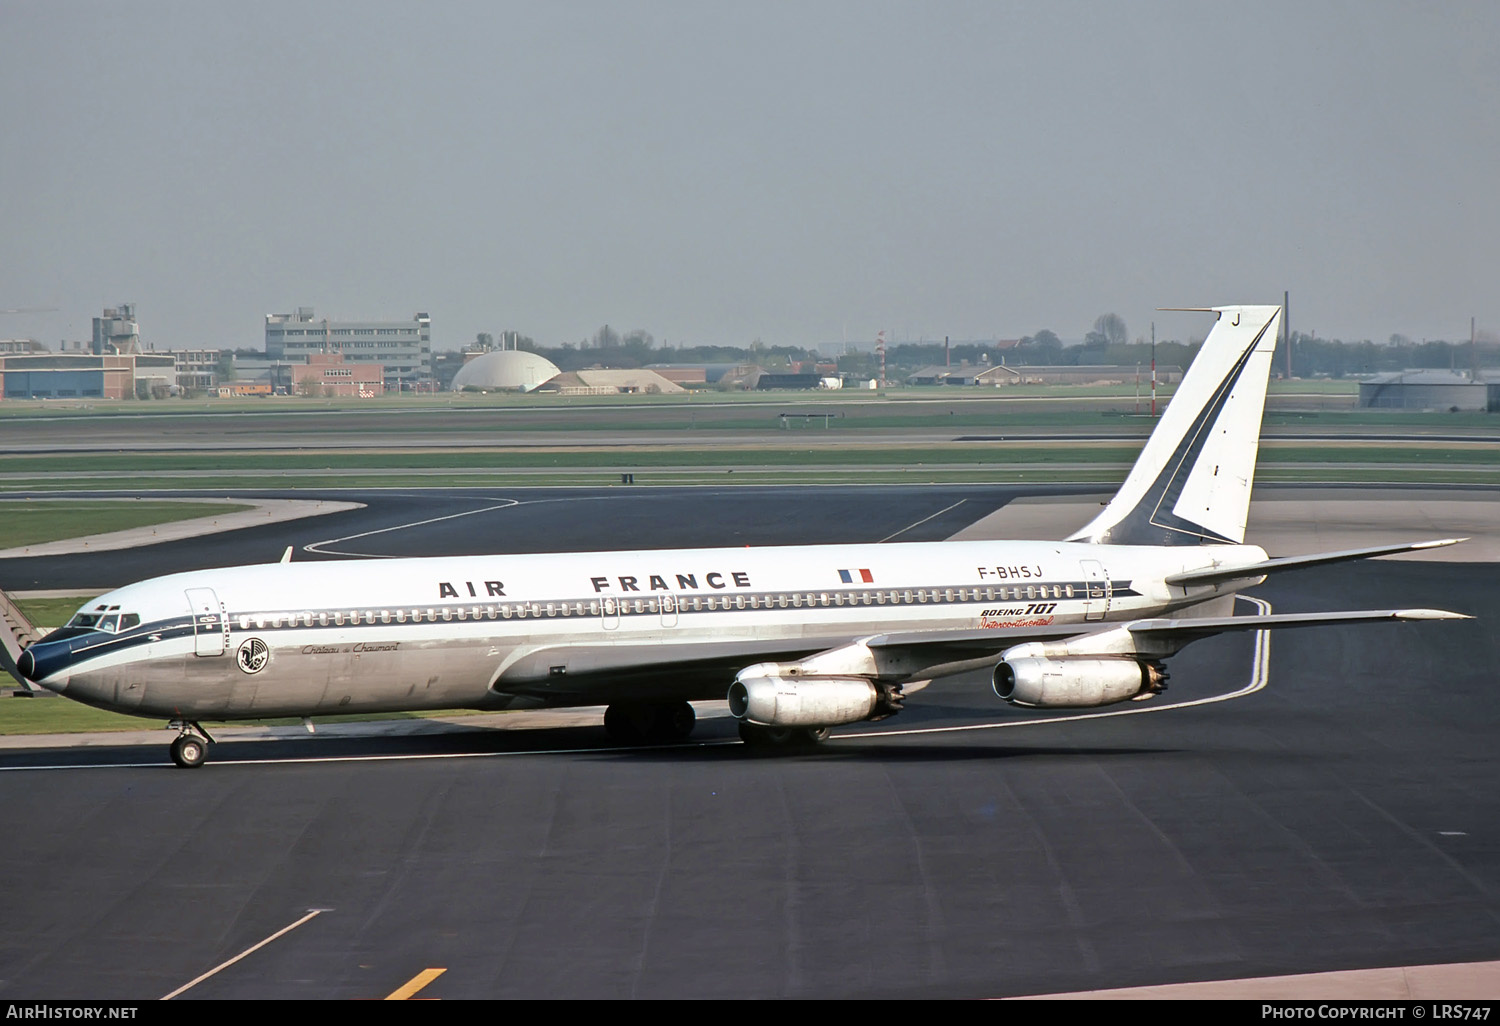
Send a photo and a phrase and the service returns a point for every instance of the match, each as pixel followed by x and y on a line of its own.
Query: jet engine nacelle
pixel 807 702
pixel 1076 683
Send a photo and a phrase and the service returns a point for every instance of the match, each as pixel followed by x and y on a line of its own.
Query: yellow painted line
pixel 414 984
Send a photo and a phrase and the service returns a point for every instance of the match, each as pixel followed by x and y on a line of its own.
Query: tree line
pixel 1107 343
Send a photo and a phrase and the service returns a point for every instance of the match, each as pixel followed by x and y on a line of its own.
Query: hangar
pixel 1428 390
pixel 505 370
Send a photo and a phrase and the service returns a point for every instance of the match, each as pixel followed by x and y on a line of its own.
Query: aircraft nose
pixel 44 660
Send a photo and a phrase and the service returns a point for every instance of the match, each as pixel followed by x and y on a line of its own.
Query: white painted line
pixel 317 545
pixel 316 759
pixel 470 755
pixel 924 520
pixel 243 954
pixel 84 766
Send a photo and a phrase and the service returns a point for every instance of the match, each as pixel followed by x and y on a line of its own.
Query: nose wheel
pixel 190 750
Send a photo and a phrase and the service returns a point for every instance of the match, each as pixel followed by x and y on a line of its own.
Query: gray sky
pixel 720 172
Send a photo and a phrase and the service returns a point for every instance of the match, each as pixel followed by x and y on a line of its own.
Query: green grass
pixel 51 612
pixel 654 464
pixel 30 522
pixel 1040 473
pixel 50 714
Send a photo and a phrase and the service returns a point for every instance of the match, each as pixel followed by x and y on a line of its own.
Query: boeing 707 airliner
pixel 799 638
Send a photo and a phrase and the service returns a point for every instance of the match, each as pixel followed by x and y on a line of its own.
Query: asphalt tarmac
pixel 1337 809
pixel 464 521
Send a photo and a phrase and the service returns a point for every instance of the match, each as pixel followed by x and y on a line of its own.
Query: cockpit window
pixel 110 622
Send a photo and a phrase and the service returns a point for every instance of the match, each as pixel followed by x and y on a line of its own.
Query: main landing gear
pixel 190 750
pixel 784 738
pixel 649 723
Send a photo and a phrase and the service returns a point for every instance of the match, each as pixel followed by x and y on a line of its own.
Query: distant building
pixel 238 389
pixel 504 370
pixel 403 349
pixel 21 345
pixel 767 380
pixel 196 369
pixel 331 374
pixel 611 381
pixel 996 375
pixel 749 377
pixel 693 373
pixel 275 373
pixel 116 332
pixel 82 375
pixel 1428 390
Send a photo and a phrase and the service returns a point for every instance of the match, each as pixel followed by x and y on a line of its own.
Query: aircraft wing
pixel 654 671
pixel 586 674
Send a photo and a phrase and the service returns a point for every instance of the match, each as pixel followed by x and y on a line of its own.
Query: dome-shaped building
pixel 505 370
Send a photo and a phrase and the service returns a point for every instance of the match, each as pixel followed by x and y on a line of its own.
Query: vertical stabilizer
pixel 1191 484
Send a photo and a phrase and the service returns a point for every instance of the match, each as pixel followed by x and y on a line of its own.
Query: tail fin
pixel 1191 483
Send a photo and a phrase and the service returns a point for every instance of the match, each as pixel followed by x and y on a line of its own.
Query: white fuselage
pixel 305 639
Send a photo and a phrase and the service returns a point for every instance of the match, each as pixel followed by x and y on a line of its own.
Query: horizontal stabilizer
pixel 1206 626
pixel 1219 574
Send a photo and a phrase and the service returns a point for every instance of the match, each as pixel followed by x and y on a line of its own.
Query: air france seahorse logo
pixel 253 655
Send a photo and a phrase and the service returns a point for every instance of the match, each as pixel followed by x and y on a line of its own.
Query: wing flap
pixel 1206 626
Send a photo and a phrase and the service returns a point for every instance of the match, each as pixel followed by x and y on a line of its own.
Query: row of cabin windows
pixel 654 604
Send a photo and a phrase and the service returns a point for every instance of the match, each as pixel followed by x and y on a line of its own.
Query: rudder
pixel 1191 483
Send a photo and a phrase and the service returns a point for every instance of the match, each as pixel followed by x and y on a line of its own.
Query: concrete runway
pixel 1343 814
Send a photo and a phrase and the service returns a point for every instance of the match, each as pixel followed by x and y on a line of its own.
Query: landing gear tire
pixel 189 751
pixel 649 723
pixel 675 721
pixel 782 738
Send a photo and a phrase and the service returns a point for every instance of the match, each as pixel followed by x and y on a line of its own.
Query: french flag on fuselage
pixel 853 576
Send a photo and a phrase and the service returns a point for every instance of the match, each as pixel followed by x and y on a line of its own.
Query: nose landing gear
pixel 190 750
